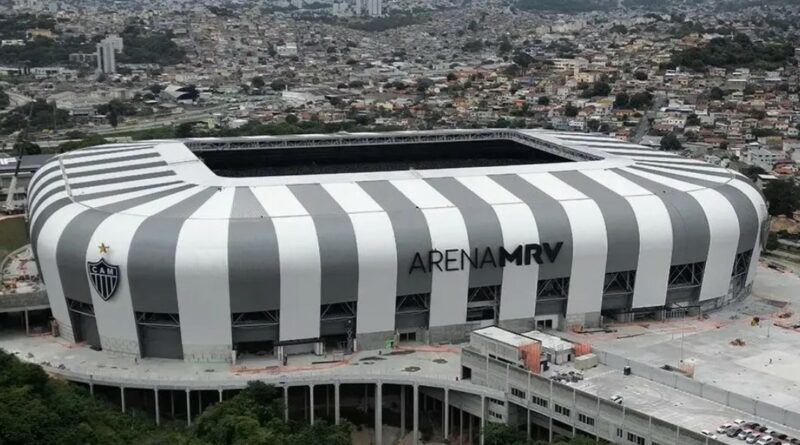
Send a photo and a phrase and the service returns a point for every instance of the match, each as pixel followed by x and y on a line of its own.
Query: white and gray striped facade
pixel 209 262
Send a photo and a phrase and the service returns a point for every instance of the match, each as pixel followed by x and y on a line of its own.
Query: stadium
pixel 199 249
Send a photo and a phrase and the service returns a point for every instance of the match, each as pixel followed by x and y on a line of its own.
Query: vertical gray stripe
pixel 551 221
pixel 621 228
pixel 151 258
pixel 254 268
pixel 74 242
pixel 337 243
pixel 690 233
pixel 411 234
pixel 745 210
pixel 483 228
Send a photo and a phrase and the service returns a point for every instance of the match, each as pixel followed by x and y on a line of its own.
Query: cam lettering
pixel 451 260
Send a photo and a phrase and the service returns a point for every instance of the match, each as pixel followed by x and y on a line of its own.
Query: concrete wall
pixel 704 390
pixel 608 417
pixel 21 301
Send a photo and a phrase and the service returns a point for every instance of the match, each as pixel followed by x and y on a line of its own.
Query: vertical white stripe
pixel 518 291
pixel 655 237
pixel 655 251
pixel 723 226
pixel 377 257
pixel 116 322
pixel 448 288
pixel 201 279
pixel 301 274
pixel 589 253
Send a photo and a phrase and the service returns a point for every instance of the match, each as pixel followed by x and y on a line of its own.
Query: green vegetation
pixel 42 51
pixel 14 26
pixel 35 116
pixel 255 128
pixel 378 24
pixel 87 141
pixel 12 235
pixel 4 100
pixel 783 197
pixel 638 101
pixel 565 6
pixel 670 142
pixel 599 88
pixel 47 411
pixel 499 434
pixel 141 46
pixel 738 51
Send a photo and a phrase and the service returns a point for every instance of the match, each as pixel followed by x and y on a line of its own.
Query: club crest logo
pixel 103 275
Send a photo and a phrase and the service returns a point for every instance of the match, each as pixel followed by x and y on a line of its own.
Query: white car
pixel 708 434
pixel 764 440
pixel 743 435
pixel 724 427
pixel 616 398
pixel 753 437
pixel 738 422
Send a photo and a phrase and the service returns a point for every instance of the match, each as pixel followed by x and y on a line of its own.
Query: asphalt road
pixel 644 122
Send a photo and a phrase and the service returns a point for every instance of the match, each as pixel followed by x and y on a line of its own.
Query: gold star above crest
pixel 103 248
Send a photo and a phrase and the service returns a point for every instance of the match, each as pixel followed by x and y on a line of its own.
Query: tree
pixel 423 84
pixel 752 172
pixel 4 100
pixel 278 85
pixel 292 119
pixel 621 100
pixel 502 123
pixel 50 411
pixel 783 196
pixel 451 76
pixel 570 110
pixel 523 59
pixel 113 118
pixel 543 100
pixel 593 124
pixel 24 147
pixel 772 241
pixel 258 82
pixel 692 120
pixel 640 75
pixel 716 93
pixel 599 88
pixel 505 45
pixel 670 142
pixel 184 130
pixel 641 100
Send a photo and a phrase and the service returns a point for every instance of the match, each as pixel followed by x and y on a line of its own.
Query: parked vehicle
pixel 743 435
pixel 616 398
pixel 753 437
pixel 708 434
pixel 733 431
pixel 724 427
pixel 764 440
